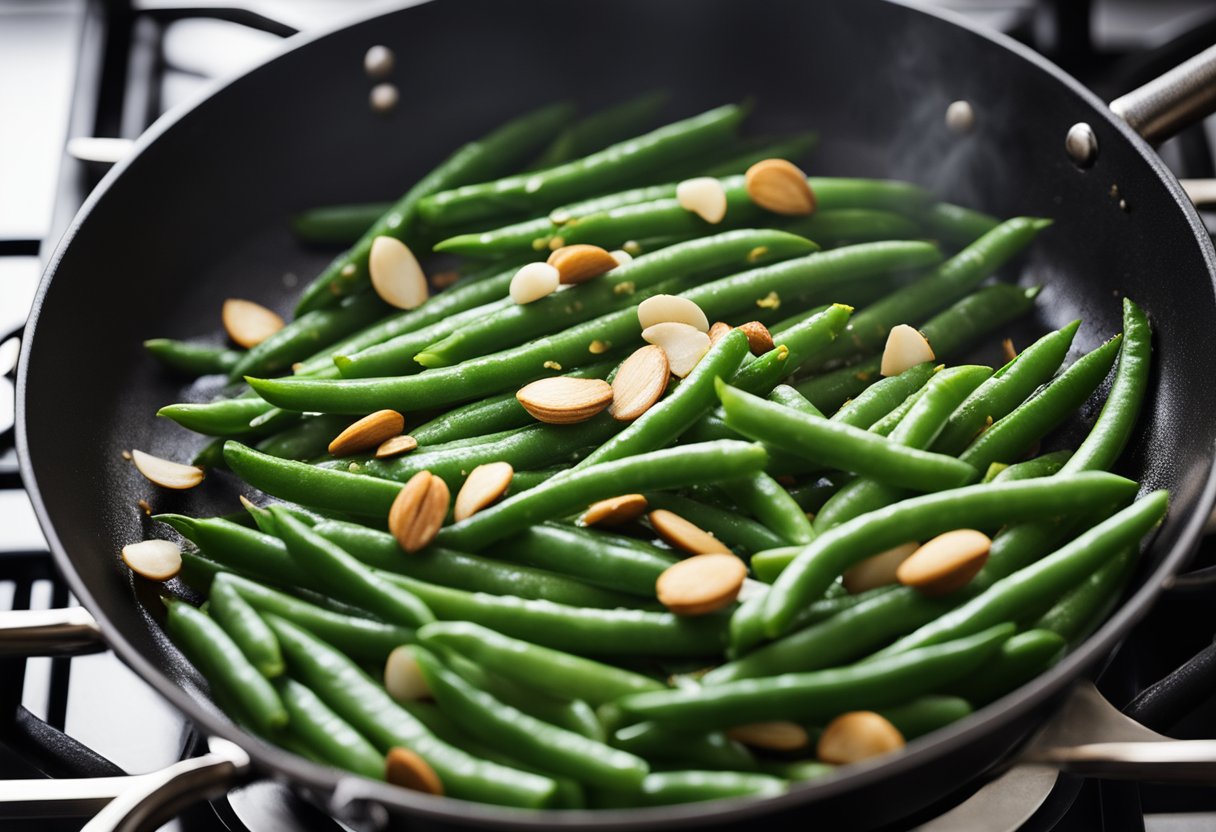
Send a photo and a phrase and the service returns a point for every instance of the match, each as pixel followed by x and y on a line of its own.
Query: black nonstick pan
pixel 200 213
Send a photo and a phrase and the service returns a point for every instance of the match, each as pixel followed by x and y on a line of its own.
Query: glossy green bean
pixel 1019 660
pixel 245 627
pixel 790 148
pixel 223 417
pixel 765 499
pixel 605 560
pixel 598 130
pixel 733 529
pixel 310 485
pixel 926 714
pixel 956 225
pixel 666 788
pixel 1087 605
pixel 710 750
pixel 191 358
pixel 307 439
pixel 1039 466
pixel 327 735
pixel 337 224
pixel 883 396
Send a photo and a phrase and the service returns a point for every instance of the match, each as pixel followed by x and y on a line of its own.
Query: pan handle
pixel 70 631
pixel 1164 106
pixel 140 803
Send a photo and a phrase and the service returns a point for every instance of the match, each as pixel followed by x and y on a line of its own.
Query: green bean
pixel 840 446
pixel 675 268
pixel 787 396
pixel 817 272
pixel 1008 388
pixel 1020 659
pixel 468 572
pixel 308 439
pixel 1087 605
pixel 926 714
pixel 600 559
pixel 193 359
pixel 727 526
pixel 332 570
pixel 224 666
pixel 666 788
pixel 798 771
pixel 763 497
pixel 821 694
pixel 337 224
pixel 326 734
pixel 598 130
pixel 579 630
pixel 497 152
pixel 1010 437
pixel 712 750
pixel 952 280
pixel 524 736
pixel 298 482
pixel 368 708
pixel 1039 466
pixel 835 226
pixel 919 518
pixel 1031 591
pixel 950 332
pixel 957 226
pixel 884 396
pixel 223 417
pixel 245 627
pixel 572 491
pixel 240 547
pixel 634 159
pixel 887 424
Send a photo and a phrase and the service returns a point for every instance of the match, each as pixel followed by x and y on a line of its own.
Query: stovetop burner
pixel 93 69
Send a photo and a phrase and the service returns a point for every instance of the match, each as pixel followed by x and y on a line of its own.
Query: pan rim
pixel 340 786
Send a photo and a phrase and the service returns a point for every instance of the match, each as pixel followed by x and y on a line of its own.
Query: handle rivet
pixel 1081 144
pixel 960 117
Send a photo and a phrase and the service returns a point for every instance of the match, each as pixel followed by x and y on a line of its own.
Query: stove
pixel 84 78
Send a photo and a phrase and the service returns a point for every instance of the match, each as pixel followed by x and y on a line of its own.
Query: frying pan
pixel 199 214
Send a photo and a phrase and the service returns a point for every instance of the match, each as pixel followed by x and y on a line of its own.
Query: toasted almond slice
pixel 684 345
pixel 640 382
pixel 906 347
pixel 367 433
pixel 704 196
pixel 857 736
pixel 395 274
pixel 946 563
pixel 248 323
pixel 485 484
pixel 533 282
pixel 563 400
pixel 418 511
pixel 878 570
pixel 773 736
pixel 718 331
pixel 659 309
pixel 579 263
pixel 621 256
pixel 759 339
pixel 1007 350
pixel 165 473
pixel 779 186
pixel 615 511
pixel 396 446
pixel 683 535
pixel 701 584
pixel 404 768
pixel 156 560
pixel 403 678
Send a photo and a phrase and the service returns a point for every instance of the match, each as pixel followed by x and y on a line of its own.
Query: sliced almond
pixel 248 323
pixel 684 345
pixel 772 736
pixel 660 309
pixel 418 511
pixel 701 584
pixel 640 381
pixel 857 736
pixel 946 563
pixel 156 560
pixel 533 282
pixel 579 263
pixel 779 186
pixel 704 196
pixel 1007 350
pixel 906 347
pixel 165 473
pixel 395 274
pixel 615 511
pixel 485 484
pixel 685 536
pixel 718 331
pixel 621 256
pixel 563 400
pixel 403 677
pixel 759 339
pixel 404 768
pixel 396 446
pixel 368 433
pixel 878 570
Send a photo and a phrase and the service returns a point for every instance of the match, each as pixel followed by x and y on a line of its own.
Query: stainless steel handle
pixel 1175 761
pixel 71 631
pixel 1165 105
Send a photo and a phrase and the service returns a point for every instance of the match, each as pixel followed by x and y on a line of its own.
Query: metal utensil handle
pixel 1174 761
pixel 1164 106
pixel 71 631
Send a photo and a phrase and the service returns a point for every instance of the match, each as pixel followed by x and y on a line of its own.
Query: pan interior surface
pixel 201 214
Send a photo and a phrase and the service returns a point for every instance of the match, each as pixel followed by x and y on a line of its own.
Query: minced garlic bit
pixel 146 506
pixel 126 455
pixel 552 365
pixel 756 253
pixel 632 247
pixel 540 244
pixel 555 243
pixel 625 287
pixel 348 270
pixel 354 467
pixel 770 301
pixel 598 347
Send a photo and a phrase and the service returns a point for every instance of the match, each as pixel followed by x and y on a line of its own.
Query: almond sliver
pixel 701 584
pixel 533 282
pixel 403 678
pixel 640 381
pixel 661 309
pixel 946 563
pixel 582 262
pixel 165 473
pixel 563 400
pixel 485 484
pixel 906 347
pixel 395 274
pixel 856 736
pixel 367 433
pixel 156 560
pixel 779 186
pixel 248 323
pixel 684 345
pixel 704 196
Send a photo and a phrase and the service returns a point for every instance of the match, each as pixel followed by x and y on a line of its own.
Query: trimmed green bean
pixel 308 439
pixel 337 224
pixel 601 129
pixel 1040 466
pixel 883 396
pixel 731 528
pixel 326 734
pixel 763 498
pixel 956 225
pixel 1019 660
pixel 246 628
pixel 192 358
pixel 926 714
pixel 605 560
pixel 665 788
pixel 1087 605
